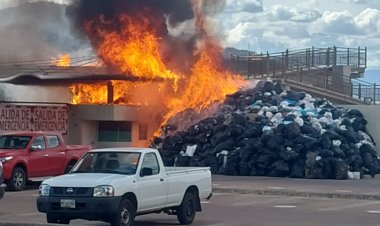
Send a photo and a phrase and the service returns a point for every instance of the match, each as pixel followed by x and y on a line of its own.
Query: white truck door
pixel 152 184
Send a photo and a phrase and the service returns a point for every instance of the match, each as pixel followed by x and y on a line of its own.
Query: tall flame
pixel 134 49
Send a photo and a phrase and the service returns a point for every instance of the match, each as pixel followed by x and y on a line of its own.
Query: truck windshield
pixel 14 142
pixel 108 162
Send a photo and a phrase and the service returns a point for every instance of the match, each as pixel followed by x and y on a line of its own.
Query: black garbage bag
pixel 244 169
pixel 278 88
pixel 238 119
pixel 349 134
pixel 246 153
pixel 313 166
pixel 367 148
pixel 232 166
pixel 355 163
pixel 340 169
pixel 309 130
pixel 297 170
pixel 354 113
pixel 300 149
pixel 308 142
pixel 235 130
pixel 227 145
pixel 293 130
pixel 267 87
pixel 168 160
pixel 339 153
pixel 252 132
pixel 328 167
pixel 295 96
pixel 182 160
pixel 288 155
pixel 251 142
pixel 279 169
pixel 188 139
pixel 212 162
pixel 219 138
pixel 325 141
pixel 359 124
pixel 219 128
pixel 326 153
pixel 274 141
pixel 202 138
pixel 370 163
pixel 196 161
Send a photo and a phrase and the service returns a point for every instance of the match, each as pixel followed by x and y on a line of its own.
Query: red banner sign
pixel 33 118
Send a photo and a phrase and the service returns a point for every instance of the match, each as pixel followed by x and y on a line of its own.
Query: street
pixel 228 210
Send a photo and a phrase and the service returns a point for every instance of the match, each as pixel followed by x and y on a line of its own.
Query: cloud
pixel 281 12
pixel 369 21
pixel 336 23
pixel 353 1
pixel 251 6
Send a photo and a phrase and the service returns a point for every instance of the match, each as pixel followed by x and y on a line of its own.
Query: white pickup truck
pixel 116 184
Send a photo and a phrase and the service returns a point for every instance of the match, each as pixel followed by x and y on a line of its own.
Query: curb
pixel 297 194
pixel 23 224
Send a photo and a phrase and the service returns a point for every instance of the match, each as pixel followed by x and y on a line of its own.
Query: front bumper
pixel 88 208
pixel 2 190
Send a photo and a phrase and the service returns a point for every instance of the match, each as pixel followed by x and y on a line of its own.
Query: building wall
pixel 83 124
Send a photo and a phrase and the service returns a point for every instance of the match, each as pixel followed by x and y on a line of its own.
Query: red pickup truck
pixel 35 156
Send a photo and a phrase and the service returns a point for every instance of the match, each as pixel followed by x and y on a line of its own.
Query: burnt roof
pixel 55 75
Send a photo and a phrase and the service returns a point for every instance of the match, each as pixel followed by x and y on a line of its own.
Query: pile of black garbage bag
pixel 270 131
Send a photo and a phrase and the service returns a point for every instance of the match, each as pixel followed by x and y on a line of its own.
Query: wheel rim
pixel 124 216
pixel 189 208
pixel 18 179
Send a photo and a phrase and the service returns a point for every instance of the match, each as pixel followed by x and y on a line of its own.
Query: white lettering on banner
pixel 33 118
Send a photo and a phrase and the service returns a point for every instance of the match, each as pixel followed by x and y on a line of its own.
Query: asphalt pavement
pixel 364 189
pixel 367 188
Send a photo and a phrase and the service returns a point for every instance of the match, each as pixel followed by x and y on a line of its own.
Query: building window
pixel 143 131
pixel 114 131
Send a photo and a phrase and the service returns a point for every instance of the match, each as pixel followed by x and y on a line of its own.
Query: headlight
pixel 6 159
pixel 44 190
pixel 103 191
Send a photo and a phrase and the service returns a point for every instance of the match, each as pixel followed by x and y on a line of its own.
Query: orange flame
pixel 134 49
pixel 62 61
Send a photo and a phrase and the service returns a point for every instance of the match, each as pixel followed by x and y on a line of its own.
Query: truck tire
pixel 186 211
pixel 54 220
pixel 125 215
pixel 17 181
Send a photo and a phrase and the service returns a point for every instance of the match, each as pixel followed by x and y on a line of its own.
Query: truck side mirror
pixel 146 172
pixel 36 148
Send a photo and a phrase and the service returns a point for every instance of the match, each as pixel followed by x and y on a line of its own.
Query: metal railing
pixel 368 92
pixel 281 63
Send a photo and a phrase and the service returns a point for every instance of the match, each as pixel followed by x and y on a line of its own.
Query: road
pixel 228 210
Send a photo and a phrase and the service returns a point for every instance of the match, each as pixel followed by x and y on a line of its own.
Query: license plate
pixel 68 203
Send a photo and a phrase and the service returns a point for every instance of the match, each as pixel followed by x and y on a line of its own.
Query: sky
pixel 277 25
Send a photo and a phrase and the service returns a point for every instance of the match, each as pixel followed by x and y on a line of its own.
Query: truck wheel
pixel 18 179
pixel 54 220
pixel 125 215
pixel 186 211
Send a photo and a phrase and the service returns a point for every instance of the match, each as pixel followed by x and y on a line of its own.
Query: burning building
pixel 157 59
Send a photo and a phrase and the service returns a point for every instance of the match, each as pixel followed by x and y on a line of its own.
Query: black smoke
pixel 164 15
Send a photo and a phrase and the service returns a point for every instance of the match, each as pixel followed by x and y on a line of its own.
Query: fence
pixel 281 63
pixel 368 92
